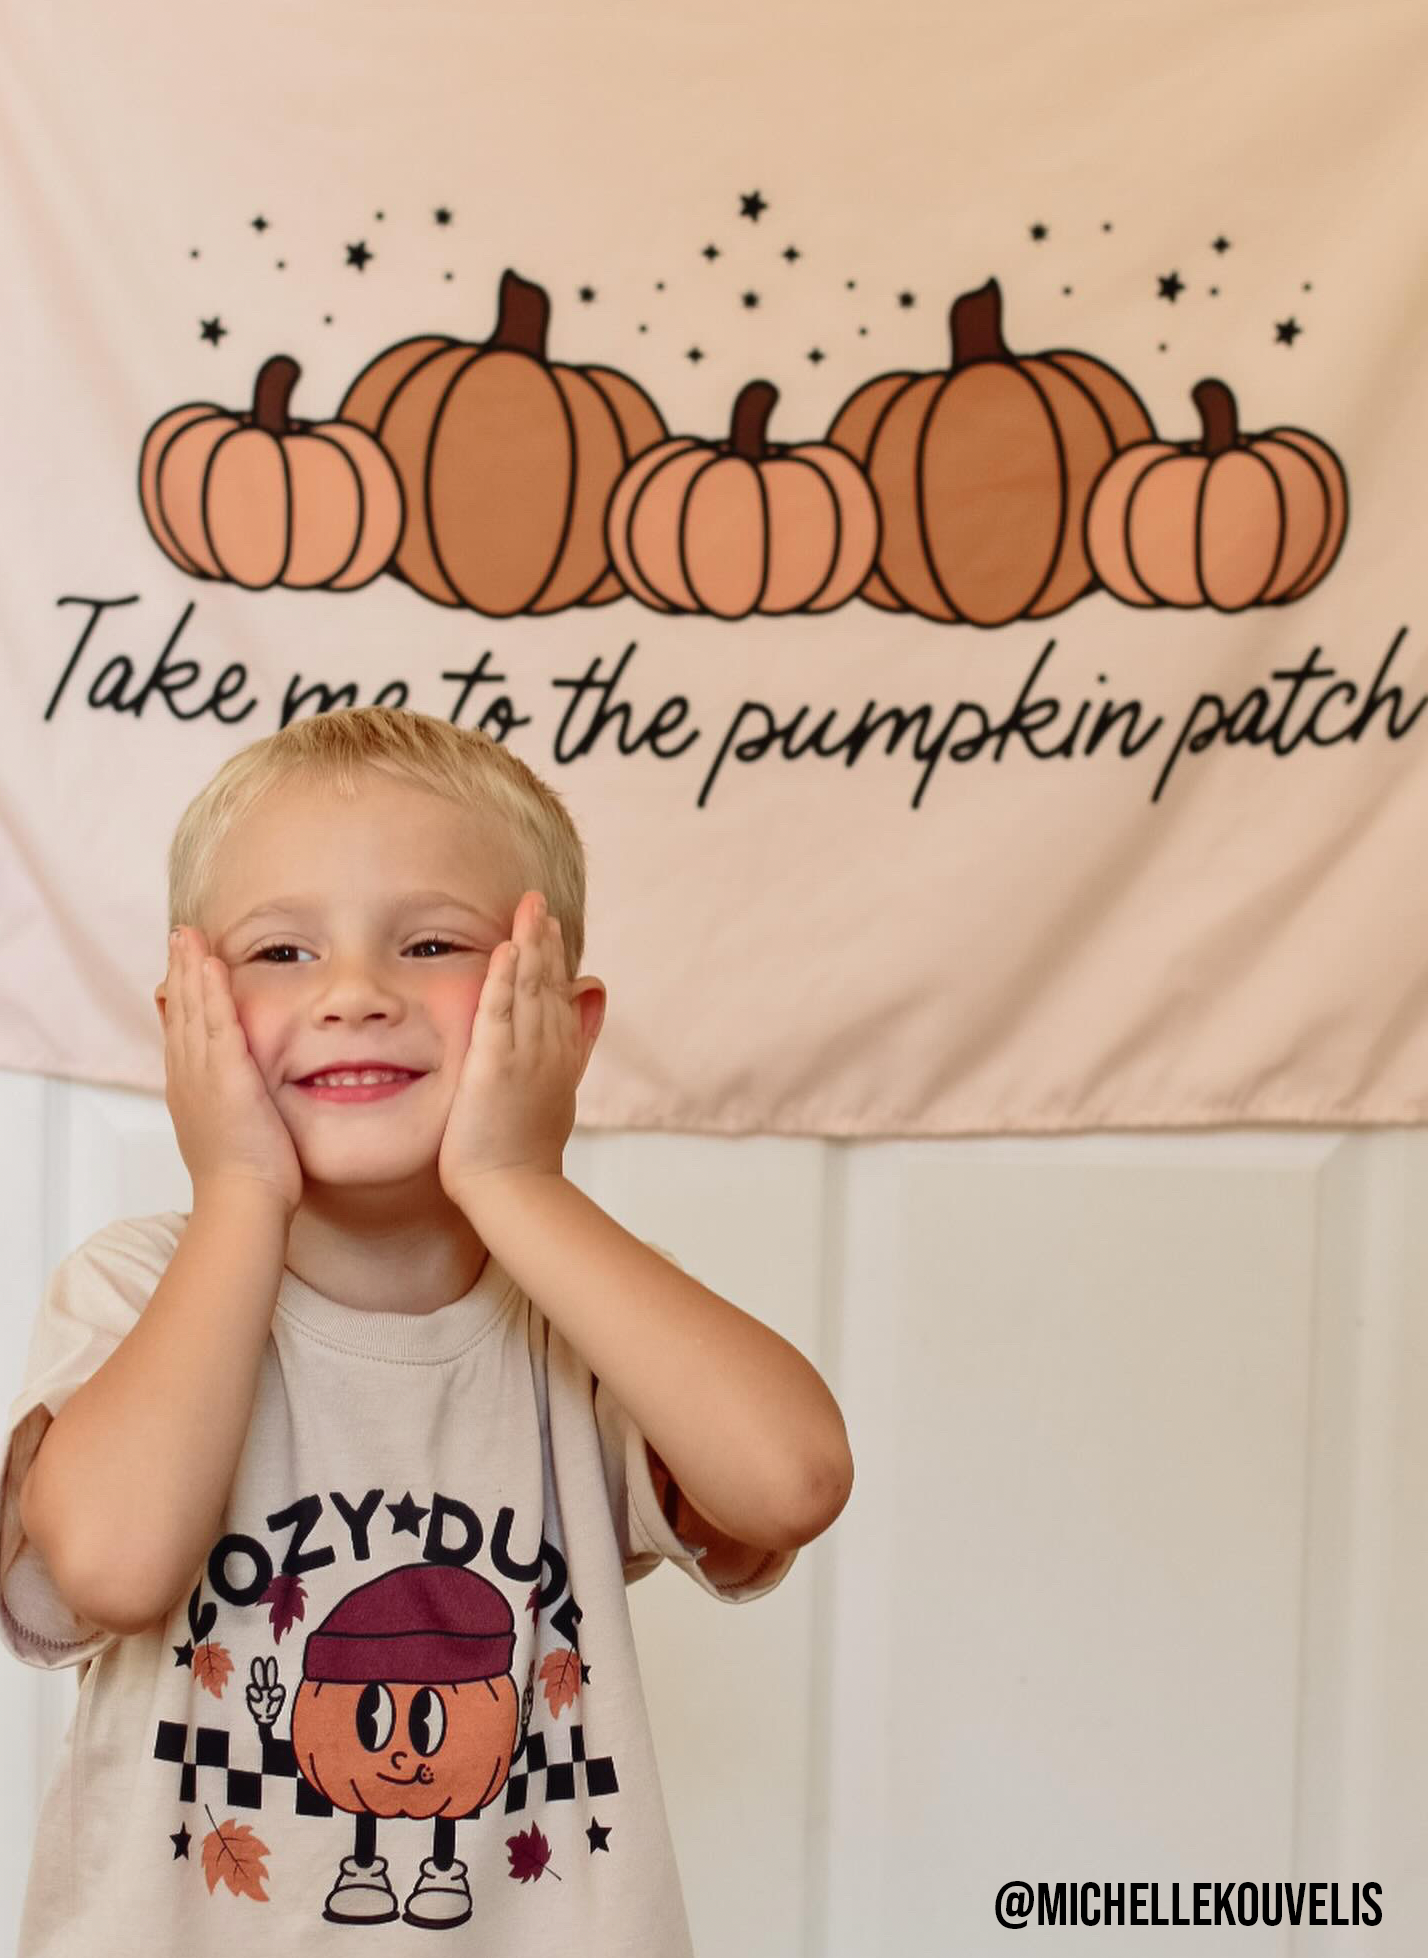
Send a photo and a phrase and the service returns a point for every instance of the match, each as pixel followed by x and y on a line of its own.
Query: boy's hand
pixel 514 1106
pixel 227 1124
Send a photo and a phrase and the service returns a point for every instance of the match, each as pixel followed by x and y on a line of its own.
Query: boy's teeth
pixel 367 1079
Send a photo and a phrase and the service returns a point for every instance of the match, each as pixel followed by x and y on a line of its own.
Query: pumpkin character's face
pixel 406 1750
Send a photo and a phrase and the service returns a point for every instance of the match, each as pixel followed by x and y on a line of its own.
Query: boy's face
pixel 360 974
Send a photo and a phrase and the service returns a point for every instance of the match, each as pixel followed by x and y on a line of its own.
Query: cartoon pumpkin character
pixel 407 1708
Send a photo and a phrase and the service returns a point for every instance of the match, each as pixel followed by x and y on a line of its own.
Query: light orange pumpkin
pixel 387 1748
pixel 982 471
pixel 743 525
pixel 506 461
pixel 260 498
pixel 1228 520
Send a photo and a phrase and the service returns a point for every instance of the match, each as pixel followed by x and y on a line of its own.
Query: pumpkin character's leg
pixel 442 1896
pixel 362 1893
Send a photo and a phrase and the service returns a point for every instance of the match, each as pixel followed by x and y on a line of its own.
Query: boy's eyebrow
pixel 287 907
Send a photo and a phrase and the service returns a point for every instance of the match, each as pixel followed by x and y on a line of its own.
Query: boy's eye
pixel 283 946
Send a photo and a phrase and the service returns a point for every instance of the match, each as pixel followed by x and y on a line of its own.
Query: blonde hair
pixel 332 749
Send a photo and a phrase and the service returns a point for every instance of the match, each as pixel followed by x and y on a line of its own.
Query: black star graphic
pixel 751 299
pixel 659 285
pixel 1220 245
pixel 181 1840
pixel 448 275
pixel 1038 231
pixel 260 224
pixel 327 319
pixel 282 265
pixel 862 329
pixel 1286 330
pixel 751 206
pixel 587 293
pixel 851 283
pixel 358 255
pixel 1214 292
pixel 194 252
pixel 379 215
pixel 907 299
pixel 1170 285
pixel 183 1656
pixel 792 253
pixel 597 1836
pixel 1066 290
pixel 694 354
pixel 584 1673
pixel 711 252
pixel 212 330
pixel 816 355
pixel 1105 227
pixel 1307 286
pixel 1161 348
pixel 406 1515
pixel 442 215
pixel 644 329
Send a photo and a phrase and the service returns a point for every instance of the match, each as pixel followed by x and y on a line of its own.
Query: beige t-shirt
pixel 402 1693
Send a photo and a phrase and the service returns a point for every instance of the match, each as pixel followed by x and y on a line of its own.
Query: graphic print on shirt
pixel 405 1712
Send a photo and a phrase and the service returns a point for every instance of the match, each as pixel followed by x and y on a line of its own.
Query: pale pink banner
pixel 939 492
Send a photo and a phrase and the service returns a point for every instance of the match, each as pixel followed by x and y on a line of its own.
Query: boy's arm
pixel 127 1488
pixel 748 1430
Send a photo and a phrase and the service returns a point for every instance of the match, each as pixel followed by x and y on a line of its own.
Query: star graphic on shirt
pixel 406 1515
pixel 213 329
pixel 1170 286
pixel 181 1840
pixel 752 205
pixel 584 1674
pixel 183 1656
pixel 597 1836
pixel 358 255
pixel 1285 331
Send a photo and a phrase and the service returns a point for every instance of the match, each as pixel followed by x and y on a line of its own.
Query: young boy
pixel 334 1482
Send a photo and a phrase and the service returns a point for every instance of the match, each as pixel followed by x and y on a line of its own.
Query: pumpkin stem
pixel 1218 419
pixel 976 321
pixel 751 415
pixel 276 379
pixel 522 317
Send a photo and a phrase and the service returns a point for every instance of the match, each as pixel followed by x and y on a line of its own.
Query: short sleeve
pixel 91 1300
pixel 647 1536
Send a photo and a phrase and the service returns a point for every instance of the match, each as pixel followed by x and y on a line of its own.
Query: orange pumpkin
pixel 506 461
pixel 982 471
pixel 262 499
pixel 386 1748
pixel 1228 520
pixel 744 525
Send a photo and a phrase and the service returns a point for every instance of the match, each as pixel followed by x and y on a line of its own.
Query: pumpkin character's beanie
pixel 425 1624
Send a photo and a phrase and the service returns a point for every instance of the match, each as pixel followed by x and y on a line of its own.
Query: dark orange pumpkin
pixel 1228 520
pixel 506 461
pixel 263 499
pixel 392 1749
pixel 982 471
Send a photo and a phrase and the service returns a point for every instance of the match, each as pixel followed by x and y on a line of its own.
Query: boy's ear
pixel 159 1003
pixel 588 994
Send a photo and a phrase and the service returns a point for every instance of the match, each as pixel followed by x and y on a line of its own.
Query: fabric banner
pixel 937 490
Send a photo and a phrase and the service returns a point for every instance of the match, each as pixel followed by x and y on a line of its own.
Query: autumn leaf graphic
pixel 233 1852
pixel 211 1667
pixel 533 1605
pixel 530 1853
pixel 560 1675
pixel 286 1597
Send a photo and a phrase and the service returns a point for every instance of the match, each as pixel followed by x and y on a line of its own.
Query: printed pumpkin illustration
pixel 261 499
pixel 982 471
pixel 1228 520
pixel 506 461
pixel 744 525
pixel 407 1706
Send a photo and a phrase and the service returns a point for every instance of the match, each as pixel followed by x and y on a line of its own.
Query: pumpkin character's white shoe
pixel 441 1898
pixel 361 1894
